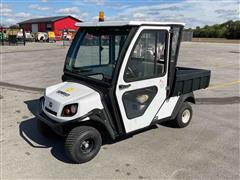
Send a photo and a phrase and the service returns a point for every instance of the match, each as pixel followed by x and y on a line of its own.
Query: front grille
pixel 51 112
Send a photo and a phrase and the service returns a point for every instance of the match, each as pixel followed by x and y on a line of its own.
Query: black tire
pixel 83 143
pixel 45 130
pixel 185 111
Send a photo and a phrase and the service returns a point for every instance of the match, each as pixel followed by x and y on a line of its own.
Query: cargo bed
pixel 190 79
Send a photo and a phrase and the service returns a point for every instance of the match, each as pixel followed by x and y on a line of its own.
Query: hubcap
pixel 186 116
pixel 87 146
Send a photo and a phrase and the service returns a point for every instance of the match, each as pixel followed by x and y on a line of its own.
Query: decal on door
pixel 161 83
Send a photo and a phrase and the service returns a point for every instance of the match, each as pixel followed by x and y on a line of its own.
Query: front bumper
pixel 60 128
pixel 55 126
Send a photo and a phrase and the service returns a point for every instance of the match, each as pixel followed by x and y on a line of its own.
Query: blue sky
pixel 192 12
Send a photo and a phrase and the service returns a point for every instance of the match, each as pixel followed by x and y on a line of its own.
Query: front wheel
pixel 83 143
pixel 184 115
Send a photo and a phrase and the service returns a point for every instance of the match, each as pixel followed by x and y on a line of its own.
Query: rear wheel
pixel 184 115
pixel 83 143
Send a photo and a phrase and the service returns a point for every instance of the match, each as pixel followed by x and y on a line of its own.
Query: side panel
pixel 66 23
pixel 26 27
pixel 167 108
pixel 42 27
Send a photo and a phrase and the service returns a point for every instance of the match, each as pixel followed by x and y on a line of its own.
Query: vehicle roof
pixel 125 23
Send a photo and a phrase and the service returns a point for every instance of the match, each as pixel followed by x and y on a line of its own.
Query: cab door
pixel 142 81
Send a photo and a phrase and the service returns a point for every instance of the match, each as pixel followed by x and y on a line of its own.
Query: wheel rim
pixel 87 146
pixel 186 116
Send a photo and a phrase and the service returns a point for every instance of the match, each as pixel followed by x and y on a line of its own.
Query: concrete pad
pixel 208 148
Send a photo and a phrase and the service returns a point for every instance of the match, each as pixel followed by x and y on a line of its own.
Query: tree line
pixel 229 30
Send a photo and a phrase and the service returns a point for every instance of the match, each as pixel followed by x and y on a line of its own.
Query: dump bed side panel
pixel 189 79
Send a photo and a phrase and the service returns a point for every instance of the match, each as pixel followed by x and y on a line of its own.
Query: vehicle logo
pixel 50 104
pixel 62 93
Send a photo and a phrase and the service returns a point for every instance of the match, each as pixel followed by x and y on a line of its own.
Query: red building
pixel 56 24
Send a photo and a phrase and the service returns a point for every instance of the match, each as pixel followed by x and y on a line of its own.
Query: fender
pixel 101 117
pixel 189 97
pixel 96 118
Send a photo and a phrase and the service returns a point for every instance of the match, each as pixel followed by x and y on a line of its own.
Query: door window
pixel 137 101
pixel 148 57
pixel 175 39
pixel 175 42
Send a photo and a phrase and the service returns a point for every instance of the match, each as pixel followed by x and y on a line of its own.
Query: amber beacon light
pixel 101 16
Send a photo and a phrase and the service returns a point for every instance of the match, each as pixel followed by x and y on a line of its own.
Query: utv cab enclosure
pixel 119 77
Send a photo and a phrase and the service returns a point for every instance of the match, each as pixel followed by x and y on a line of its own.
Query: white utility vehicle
pixel 119 77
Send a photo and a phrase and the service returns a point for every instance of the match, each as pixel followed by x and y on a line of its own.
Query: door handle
pixel 124 86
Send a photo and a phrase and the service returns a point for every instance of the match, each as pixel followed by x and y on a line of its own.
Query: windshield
pixel 95 51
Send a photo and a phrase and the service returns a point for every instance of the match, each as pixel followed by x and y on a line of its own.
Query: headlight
pixel 70 110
